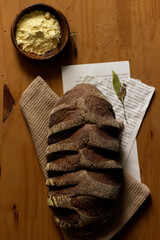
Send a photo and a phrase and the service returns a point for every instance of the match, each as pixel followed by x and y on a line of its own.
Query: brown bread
pixel 83 159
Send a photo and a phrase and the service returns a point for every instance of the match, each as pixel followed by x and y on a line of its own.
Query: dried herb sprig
pixel 120 90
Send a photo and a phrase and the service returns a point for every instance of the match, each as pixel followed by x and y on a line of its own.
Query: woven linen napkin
pixel 36 103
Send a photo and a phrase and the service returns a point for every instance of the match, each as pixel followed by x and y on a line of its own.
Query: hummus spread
pixel 38 32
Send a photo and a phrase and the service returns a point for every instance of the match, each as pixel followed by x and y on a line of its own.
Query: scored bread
pixel 83 159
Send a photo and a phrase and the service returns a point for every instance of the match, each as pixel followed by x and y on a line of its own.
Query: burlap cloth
pixel 36 103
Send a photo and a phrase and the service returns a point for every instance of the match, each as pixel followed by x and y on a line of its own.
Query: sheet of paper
pixel 74 74
pixel 132 164
pixel 136 101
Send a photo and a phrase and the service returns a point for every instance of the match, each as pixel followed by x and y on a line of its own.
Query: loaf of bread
pixel 83 159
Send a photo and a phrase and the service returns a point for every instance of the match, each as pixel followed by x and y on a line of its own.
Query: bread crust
pixel 83 156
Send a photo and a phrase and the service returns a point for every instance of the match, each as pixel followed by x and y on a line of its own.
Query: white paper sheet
pixel 74 74
pixel 136 102
pixel 132 164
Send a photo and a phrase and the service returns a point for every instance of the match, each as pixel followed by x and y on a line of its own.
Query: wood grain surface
pixel 100 31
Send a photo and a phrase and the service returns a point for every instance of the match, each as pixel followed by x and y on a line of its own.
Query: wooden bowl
pixel 64 27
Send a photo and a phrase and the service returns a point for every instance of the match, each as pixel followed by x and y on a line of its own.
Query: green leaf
pixel 116 84
pixel 120 90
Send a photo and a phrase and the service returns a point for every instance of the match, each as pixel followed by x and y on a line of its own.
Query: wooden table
pixel 100 31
